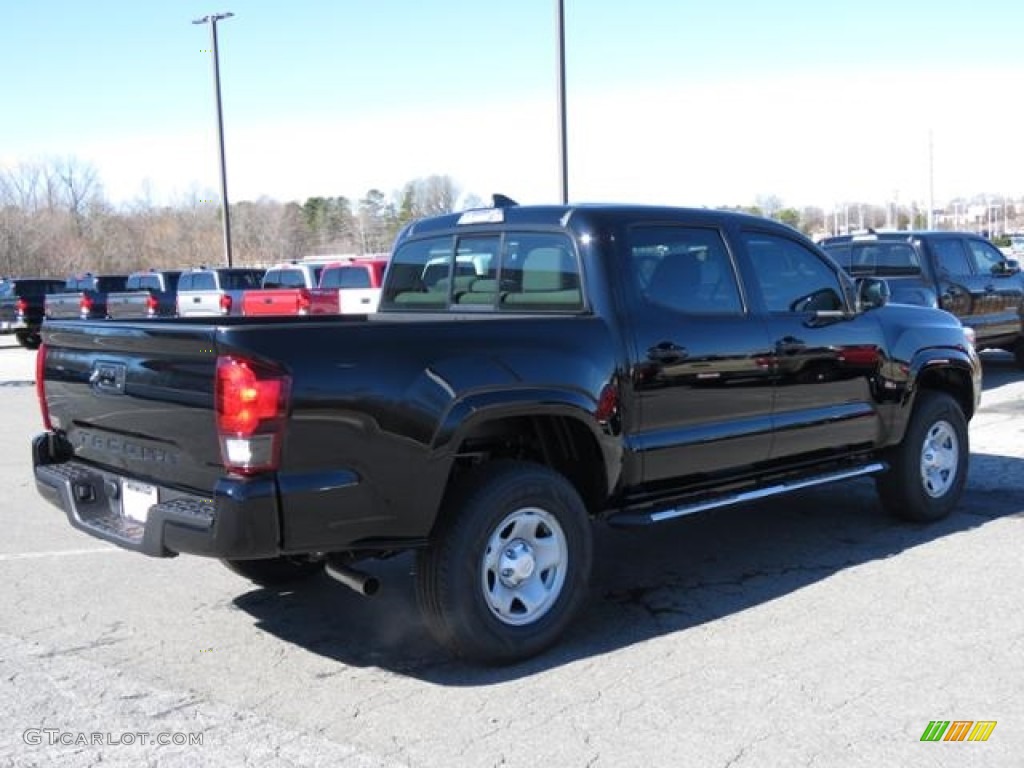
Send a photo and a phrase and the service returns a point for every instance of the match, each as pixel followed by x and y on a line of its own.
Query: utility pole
pixel 563 149
pixel 931 181
pixel 212 20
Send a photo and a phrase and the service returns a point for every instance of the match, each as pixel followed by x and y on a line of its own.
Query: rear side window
pixel 512 272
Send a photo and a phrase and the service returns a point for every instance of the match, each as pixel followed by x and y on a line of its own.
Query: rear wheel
pixel 28 339
pixel 509 565
pixel 275 571
pixel 928 469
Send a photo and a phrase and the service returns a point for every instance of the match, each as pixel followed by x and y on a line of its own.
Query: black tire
pixel 503 518
pixel 1018 353
pixel 275 571
pixel 928 469
pixel 28 339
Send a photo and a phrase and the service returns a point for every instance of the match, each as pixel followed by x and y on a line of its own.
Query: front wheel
pixel 508 568
pixel 928 469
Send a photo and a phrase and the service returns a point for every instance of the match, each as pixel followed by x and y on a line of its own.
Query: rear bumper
pixel 238 521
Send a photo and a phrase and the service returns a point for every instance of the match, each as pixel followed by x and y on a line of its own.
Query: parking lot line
pixel 58 553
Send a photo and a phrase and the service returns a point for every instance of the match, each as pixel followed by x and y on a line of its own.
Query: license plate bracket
pixel 137 498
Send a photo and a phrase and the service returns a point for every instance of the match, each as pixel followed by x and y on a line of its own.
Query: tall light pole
pixel 563 149
pixel 212 20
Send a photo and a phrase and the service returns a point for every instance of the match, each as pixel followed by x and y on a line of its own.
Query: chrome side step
pixel 728 500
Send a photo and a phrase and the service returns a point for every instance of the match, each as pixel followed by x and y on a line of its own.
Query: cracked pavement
pixel 808 631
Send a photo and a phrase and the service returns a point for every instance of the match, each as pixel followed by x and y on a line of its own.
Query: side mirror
pixel 872 292
pixel 1006 267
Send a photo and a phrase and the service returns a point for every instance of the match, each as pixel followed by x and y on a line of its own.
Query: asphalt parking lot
pixel 814 631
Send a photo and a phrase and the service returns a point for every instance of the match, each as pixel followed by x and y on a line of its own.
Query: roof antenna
pixel 502 201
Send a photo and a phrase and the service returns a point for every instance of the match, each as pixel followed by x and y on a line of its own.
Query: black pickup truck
pixel 84 297
pixel 960 272
pixel 621 363
pixel 21 306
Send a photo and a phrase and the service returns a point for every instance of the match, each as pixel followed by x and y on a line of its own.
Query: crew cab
pixel 624 364
pixel 84 296
pixel 215 291
pixel 151 293
pixel 286 289
pixel 21 306
pixel 960 272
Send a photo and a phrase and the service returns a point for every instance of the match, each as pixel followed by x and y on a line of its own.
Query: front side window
pixel 792 277
pixel 986 256
pixel 686 269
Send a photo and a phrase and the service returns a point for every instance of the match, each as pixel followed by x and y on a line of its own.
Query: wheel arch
pixel 562 436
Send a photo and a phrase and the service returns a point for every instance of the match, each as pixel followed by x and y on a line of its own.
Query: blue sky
pixel 668 102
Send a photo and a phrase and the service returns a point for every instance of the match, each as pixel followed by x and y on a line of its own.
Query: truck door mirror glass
pixel 872 292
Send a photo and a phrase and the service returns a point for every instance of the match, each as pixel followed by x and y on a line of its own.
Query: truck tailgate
pixel 273 301
pixel 130 305
pixel 138 399
pixel 66 305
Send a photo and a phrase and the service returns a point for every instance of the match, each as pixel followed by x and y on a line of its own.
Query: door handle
pixel 667 352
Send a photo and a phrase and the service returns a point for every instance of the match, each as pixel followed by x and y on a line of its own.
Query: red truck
pixel 351 286
pixel 285 290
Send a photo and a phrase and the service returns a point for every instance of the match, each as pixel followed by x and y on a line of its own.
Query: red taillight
pixel 305 301
pixel 21 306
pixel 251 403
pixel 225 304
pixel 85 305
pixel 152 305
pixel 44 409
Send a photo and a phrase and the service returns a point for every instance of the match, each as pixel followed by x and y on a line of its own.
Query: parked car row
pixel 301 288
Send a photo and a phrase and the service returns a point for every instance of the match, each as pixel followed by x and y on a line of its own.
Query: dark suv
pixel 960 272
pixel 21 306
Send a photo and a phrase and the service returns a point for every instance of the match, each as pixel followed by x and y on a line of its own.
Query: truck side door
pixel 1003 291
pixel 825 359
pixel 700 360
pixel 960 290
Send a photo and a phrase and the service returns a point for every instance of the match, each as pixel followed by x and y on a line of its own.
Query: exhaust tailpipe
pixel 360 582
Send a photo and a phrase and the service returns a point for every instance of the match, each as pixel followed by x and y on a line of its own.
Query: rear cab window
pixel 876 257
pixel 502 272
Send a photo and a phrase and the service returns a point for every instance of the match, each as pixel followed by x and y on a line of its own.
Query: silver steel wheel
pixel 524 567
pixel 940 458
